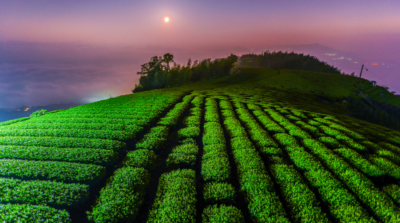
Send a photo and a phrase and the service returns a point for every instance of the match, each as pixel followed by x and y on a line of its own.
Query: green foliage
pixel 186 149
pixel 300 133
pixel 155 74
pixel 215 164
pixel 379 202
pixel 359 162
pixel 384 164
pixel 51 120
pixel 63 142
pixel 213 134
pixel 97 134
pixel 266 125
pixel 38 113
pixel 393 191
pixel 192 121
pixel 343 205
pixel 173 115
pixel 113 205
pixel 388 155
pixel 222 192
pixel 182 156
pixel 222 214
pixel 81 155
pixel 302 159
pixel 42 192
pixel 59 171
pixel 89 126
pixel 286 140
pixel 154 139
pixel 7 123
pixel 176 198
pixel 141 158
pixel 180 160
pixel 330 141
pixel 189 132
pixel 295 192
pixel 11 213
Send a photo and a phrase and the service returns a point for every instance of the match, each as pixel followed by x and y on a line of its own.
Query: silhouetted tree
pixel 167 59
pixel 157 73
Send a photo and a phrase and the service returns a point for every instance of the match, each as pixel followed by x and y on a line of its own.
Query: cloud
pixel 43 84
pixel 35 74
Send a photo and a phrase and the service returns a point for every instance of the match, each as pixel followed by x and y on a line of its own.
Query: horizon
pixel 56 52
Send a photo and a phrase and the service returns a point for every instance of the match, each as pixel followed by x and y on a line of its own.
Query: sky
pixel 70 51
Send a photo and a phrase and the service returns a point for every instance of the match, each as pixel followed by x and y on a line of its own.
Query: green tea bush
pixel 380 203
pixel 180 160
pixel 38 113
pixel 330 141
pixel 192 121
pixel 154 139
pixel 81 155
pixel 286 139
pixel 342 204
pixel 191 149
pixel 393 191
pixel 38 192
pixel 300 133
pixel 6 123
pixel 222 192
pixel 88 120
pixel 384 164
pixel 140 158
pixel 97 134
pixel 295 192
pixel 113 199
pixel 176 198
pixel 359 162
pixel 222 214
pixel 63 142
pixel 49 170
pixel 189 132
pixel 10 213
pixel 215 166
pixel 308 127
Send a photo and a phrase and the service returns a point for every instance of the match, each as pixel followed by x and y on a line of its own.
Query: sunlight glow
pixel 166 19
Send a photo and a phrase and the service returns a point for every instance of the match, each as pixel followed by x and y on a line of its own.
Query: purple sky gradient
pixel 69 38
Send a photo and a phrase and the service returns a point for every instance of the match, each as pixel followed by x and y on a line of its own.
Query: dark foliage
pixel 378 113
pixel 157 73
pixel 280 60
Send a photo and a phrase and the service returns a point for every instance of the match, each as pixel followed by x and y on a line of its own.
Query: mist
pixel 38 74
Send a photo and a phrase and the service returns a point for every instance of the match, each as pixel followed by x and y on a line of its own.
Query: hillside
pixel 258 146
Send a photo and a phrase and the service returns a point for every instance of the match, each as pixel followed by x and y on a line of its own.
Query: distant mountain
pixel 9 114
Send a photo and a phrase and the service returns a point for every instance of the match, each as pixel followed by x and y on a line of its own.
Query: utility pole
pixel 362 70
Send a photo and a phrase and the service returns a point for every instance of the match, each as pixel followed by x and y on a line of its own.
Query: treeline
pixel 157 73
pixel 280 60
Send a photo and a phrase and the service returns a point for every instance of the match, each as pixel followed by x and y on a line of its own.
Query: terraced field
pixel 214 152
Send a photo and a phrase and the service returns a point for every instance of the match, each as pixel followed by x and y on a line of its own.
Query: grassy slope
pixel 330 85
pixel 286 90
pixel 299 89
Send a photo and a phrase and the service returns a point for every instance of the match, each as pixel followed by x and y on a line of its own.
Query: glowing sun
pixel 166 19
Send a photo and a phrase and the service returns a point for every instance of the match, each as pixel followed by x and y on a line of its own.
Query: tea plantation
pixel 228 150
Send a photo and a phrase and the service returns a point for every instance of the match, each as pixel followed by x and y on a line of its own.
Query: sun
pixel 166 19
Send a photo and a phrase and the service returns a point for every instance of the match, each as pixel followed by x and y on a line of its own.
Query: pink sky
pixel 130 32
